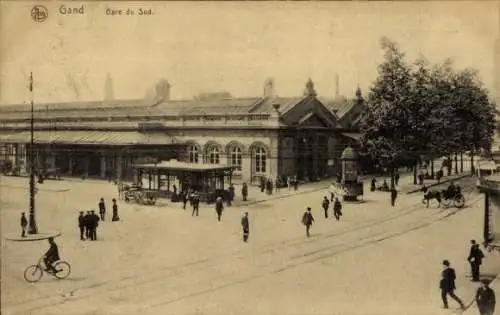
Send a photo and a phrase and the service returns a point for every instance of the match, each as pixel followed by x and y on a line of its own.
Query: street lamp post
pixel 32 229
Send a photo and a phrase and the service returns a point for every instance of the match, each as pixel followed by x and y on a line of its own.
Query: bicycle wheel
pixel 63 269
pixel 33 273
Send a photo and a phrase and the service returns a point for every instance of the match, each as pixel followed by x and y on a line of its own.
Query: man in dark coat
pixel 24 224
pixel 244 191
pixel 51 256
pixel 307 220
pixel 485 299
pixel 185 197
pixel 394 195
pixel 262 184
pixel 396 178
pixel 195 203
pixel 81 225
pixel 115 211
pixel 475 259
pixel 246 227
pixel 219 206
pixel 102 208
pixel 231 195
pixel 447 285
pixel 337 209
pixel 325 204
pixel 93 226
pixel 87 221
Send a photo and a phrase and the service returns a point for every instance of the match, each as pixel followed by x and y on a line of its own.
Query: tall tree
pixel 385 123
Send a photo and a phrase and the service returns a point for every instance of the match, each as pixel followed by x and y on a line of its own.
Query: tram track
pixel 221 280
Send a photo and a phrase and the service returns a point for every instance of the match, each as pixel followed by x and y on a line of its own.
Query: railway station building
pixel 265 136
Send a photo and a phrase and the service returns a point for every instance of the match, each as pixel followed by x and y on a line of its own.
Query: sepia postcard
pixel 248 158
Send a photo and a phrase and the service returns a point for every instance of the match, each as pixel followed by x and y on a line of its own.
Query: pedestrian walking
pixel 24 224
pixel 396 178
pixel 231 195
pixel 307 220
pixel 102 208
pixel 373 184
pixel 195 203
pixel 219 206
pixel 244 191
pixel 394 195
pixel 337 209
pixel 447 285
pixel 115 211
pixel 185 198
pixel 246 227
pixel 325 204
pixel 475 259
pixel 81 225
pixel 262 184
pixel 485 298
pixel 87 221
pixel 94 223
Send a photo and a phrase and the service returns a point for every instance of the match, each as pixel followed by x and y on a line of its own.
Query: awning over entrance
pixel 175 165
pixel 353 135
pixel 118 138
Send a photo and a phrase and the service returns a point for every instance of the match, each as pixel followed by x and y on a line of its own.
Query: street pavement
pixel 160 260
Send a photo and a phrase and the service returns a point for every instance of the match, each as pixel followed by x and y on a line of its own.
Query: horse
pixel 431 194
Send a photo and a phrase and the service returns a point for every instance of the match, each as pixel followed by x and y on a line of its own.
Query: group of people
pixel 337 206
pixel 308 218
pixel 485 296
pixel 88 223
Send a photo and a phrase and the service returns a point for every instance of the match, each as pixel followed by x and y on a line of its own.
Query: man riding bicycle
pixel 51 256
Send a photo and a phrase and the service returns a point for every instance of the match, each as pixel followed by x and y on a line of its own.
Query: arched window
pixel 235 157
pixel 213 155
pixel 193 153
pixel 260 160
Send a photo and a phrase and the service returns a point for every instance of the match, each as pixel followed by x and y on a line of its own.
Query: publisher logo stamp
pixel 39 13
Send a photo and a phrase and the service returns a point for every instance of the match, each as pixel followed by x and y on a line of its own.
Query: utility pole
pixel 32 222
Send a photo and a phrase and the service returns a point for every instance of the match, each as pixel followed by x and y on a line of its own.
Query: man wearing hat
pixel 475 259
pixel 81 225
pixel 447 284
pixel 246 227
pixel 485 298
pixel 24 224
pixel 307 220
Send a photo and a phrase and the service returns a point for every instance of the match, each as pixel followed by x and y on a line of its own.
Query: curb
pixel 250 203
pixel 440 183
pixel 32 237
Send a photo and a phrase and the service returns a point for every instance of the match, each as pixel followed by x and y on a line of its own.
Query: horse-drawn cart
pixel 444 198
pixel 139 195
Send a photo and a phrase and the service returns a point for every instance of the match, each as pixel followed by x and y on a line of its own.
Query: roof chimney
pixel 163 90
pixel 109 93
pixel 269 88
pixel 309 90
pixel 337 87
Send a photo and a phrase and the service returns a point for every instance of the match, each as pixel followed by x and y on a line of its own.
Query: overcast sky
pixel 208 47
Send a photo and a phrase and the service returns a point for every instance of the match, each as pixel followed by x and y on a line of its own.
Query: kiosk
pixel 490 185
pixel 350 185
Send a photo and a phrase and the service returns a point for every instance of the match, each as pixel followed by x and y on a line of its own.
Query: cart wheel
pixel 459 202
pixel 446 202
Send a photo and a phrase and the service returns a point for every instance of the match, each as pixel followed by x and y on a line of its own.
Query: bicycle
pixel 34 272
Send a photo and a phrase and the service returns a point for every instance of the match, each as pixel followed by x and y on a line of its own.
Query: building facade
pixel 267 136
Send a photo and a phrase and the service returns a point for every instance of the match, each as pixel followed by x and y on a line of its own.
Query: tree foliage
pixel 421 111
